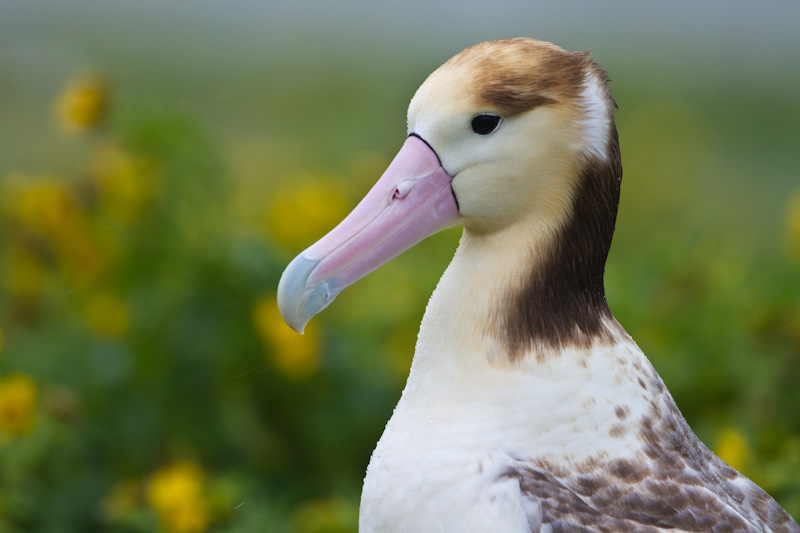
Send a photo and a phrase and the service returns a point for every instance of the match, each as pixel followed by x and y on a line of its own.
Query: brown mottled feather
pixel 674 483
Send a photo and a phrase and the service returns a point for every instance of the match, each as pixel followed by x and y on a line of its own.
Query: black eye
pixel 485 124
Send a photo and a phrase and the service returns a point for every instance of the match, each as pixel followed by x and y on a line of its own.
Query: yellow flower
pixel 732 448
pixel 177 492
pixel 83 103
pixel 302 213
pixel 18 398
pixel 295 356
pixel 46 204
pixel 48 209
pixel 126 183
pixel 107 314
pixel 793 225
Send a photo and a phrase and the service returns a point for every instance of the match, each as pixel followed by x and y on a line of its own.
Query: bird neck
pixel 535 286
pixel 463 368
pixel 503 299
pixel 465 312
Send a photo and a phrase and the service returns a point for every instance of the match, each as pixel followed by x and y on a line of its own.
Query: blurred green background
pixel 161 164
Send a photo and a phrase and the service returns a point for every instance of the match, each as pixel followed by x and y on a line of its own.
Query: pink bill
pixel 411 201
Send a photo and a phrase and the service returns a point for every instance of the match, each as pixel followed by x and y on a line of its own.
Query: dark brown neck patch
pixel 563 302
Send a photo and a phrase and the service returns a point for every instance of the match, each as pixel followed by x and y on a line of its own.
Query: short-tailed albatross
pixel 527 407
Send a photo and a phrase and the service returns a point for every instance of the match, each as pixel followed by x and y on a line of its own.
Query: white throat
pixel 456 336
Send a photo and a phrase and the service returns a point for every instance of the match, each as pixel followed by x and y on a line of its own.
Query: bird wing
pixel 615 497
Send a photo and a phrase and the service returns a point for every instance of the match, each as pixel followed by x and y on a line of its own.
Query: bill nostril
pixel 402 189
